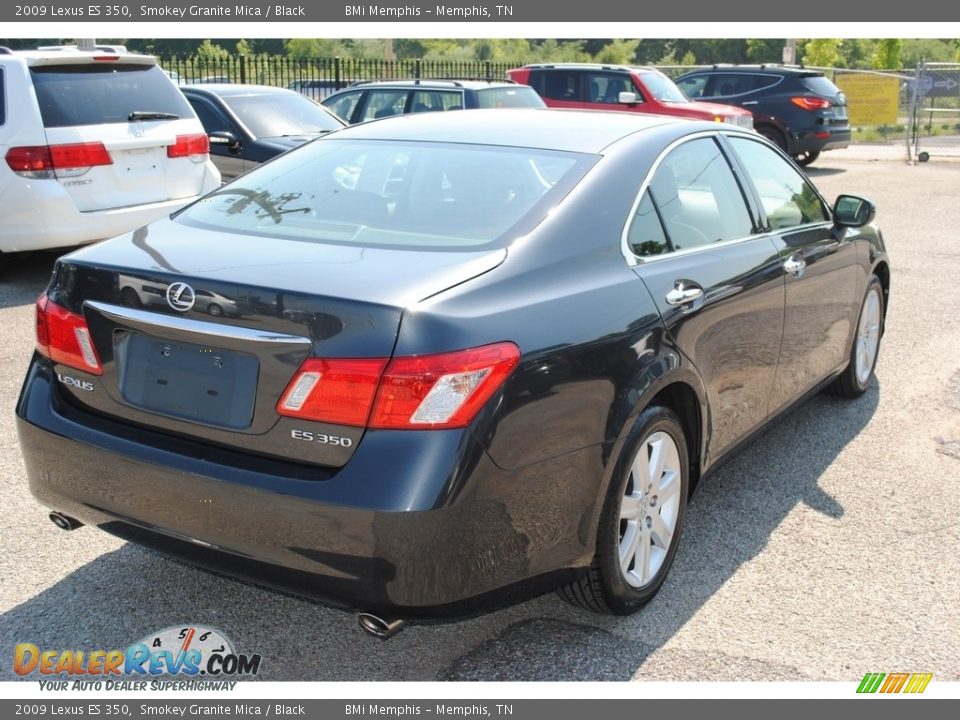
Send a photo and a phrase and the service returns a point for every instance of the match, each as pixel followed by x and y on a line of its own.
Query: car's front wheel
pixel 866 345
pixel 641 518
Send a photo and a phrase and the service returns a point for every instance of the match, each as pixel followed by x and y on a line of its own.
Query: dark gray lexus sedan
pixel 469 356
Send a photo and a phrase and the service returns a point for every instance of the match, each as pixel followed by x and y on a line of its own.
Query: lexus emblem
pixel 181 296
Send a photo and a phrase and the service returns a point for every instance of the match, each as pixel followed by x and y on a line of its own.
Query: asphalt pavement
pixel 828 548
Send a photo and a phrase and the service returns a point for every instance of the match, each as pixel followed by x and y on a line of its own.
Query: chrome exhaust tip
pixel 380 627
pixel 64 522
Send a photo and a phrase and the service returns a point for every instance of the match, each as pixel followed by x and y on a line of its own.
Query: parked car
pixel 93 144
pixel 619 87
pixel 476 355
pixel 799 110
pixel 249 124
pixel 370 100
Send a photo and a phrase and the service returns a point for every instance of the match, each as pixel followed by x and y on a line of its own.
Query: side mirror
pixel 853 211
pixel 225 138
pixel 627 98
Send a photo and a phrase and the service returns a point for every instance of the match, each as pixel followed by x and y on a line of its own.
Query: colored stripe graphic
pixel 894 682
pixel 918 682
pixel 870 682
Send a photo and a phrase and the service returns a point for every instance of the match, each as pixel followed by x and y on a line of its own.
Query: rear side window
pixel 556 84
pixel 820 85
pixel 436 101
pixel 3 98
pixel 72 95
pixel 506 97
pixel 646 236
pixel 441 196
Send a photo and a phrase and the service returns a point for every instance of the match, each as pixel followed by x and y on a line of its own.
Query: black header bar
pixel 734 12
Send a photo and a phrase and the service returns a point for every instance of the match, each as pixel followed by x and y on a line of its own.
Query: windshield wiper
pixel 151 115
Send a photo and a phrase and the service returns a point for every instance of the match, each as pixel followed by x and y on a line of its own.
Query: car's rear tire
pixel 641 519
pixel 855 380
pixel 805 158
pixel 773 135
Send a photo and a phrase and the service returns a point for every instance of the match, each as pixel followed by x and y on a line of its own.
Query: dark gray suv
pixel 376 99
pixel 799 110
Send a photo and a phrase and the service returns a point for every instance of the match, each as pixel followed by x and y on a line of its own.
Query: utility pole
pixel 790 52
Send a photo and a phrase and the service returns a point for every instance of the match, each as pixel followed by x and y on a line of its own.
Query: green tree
pixel 822 52
pixel 211 52
pixel 886 54
pixel 929 49
pixel 243 48
pixel 618 52
pixel 315 47
pixel 765 50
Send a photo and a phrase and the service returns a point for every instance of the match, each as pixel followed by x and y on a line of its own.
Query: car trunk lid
pixel 216 369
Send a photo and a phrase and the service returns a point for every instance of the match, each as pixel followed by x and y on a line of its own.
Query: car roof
pixel 233 89
pixel 588 66
pixel 435 84
pixel 765 68
pixel 583 131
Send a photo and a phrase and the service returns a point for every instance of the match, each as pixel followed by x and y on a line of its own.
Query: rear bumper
pixel 809 142
pixel 418 524
pixel 40 215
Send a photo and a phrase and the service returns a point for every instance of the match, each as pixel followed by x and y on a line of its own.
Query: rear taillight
pixel 64 337
pixel 49 161
pixel 421 392
pixel 811 103
pixel 339 391
pixel 194 147
pixel 441 391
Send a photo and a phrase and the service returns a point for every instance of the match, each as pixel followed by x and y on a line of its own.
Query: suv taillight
pixel 421 392
pixel 52 161
pixel 811 103
pixel 194 147
pixel 64 337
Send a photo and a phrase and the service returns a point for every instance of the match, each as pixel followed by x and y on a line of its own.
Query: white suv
pixel 93 144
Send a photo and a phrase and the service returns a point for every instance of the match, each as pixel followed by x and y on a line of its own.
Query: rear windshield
pixel 662 88
pixel 502 97
pixel 280 114
pixel 384 193
pixel 71 95
pixel 820 85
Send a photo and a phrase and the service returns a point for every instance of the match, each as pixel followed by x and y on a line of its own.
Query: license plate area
pixel 200 383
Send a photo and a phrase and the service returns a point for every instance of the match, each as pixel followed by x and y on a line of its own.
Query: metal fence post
pixel 416 69
pixel 243 69
pixel 336 73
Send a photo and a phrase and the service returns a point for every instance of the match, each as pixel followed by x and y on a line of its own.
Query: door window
pixel 384 103
pixel 344 105
pixel 606 87
pixel 698 197
pixel 788 198
pixel 211 118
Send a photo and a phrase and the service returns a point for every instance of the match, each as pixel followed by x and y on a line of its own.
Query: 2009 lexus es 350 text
pixel 468 356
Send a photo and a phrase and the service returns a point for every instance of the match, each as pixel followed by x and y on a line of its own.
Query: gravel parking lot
pixel 828 548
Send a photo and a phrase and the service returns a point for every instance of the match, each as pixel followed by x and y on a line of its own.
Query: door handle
pixel 795 265
pixel 750 102
pixel 684 292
